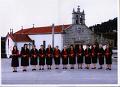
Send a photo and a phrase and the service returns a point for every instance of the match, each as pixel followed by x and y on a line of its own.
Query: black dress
pixel 94 54
pixel 56 54
pixel 41 56
pixel 72 59
pixel 87 56
pixel 49 56
pixel 80 54
pixel 64 55
pixel 15 60
pixel 25 57
pixel 101 56
pixel 108 56
pixel 34 56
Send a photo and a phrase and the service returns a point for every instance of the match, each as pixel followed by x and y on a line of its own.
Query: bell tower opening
pixel 78 17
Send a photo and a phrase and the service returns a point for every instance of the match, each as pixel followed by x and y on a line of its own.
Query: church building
pixel 55 35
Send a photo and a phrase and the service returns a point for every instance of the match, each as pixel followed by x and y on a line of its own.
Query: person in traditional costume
pixel 64 55
pixel 94 51
pixel 25 57
pixel 34 57
pixel 49 55
pixel 108 57
pixel 100 55
pixel 72 57
pixel 87 53
pixel 41 54
pixel 56 55
pixel 15 60
pixel 80 54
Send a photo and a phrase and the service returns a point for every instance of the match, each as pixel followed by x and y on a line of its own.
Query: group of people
pixel 69 55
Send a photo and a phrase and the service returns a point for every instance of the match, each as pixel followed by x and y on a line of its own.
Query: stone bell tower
pixel 78 17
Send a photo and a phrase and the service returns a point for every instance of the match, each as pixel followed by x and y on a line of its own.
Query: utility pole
pixel 53 28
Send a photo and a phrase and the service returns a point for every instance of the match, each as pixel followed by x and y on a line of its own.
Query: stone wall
pixel 77 34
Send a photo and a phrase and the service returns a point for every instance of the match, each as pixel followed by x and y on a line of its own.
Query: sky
pixel 17 13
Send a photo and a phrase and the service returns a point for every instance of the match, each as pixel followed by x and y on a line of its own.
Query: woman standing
pixel 34 56
pixel 56 54
pixel 94 51
pixel 87 57
pixel 72 57
pixel 15 60
pixel 41 57
pixel 64 55
pixel 25 57
pixel 80 54
pixel 108 57
pixel 49 56
pixel 101 56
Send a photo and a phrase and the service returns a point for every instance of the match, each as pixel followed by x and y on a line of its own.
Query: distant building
pixel 75 34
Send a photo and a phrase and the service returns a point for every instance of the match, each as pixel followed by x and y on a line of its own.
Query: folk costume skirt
pixel 15 62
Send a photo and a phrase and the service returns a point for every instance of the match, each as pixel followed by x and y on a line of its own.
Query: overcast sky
pixel 17 13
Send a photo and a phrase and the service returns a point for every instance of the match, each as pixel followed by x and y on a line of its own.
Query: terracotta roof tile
pixel 41 30
pixel 20 37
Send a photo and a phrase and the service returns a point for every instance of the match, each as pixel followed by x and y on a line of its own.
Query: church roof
pixel 20 37
pixel 42 30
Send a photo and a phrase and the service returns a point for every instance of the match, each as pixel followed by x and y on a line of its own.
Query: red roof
pixel 41 30
pixel 20 37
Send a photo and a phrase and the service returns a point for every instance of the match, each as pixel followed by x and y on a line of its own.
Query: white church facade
pixel 59 35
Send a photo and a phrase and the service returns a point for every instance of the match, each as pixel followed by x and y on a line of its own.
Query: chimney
pixel 53 32
pixel 33 25
pixel 12 31
pixel 21 27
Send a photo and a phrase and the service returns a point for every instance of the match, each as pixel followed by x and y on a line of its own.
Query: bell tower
pixel 78 17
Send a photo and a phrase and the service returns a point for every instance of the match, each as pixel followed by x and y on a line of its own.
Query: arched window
pixel 76 16
pixel 8 43
pixel 77 21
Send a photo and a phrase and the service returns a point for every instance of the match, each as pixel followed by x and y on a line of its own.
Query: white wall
pixel 10 47
pixel 48 38
pixel 11 44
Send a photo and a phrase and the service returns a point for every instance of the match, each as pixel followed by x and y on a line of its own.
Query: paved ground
pixel 58 76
